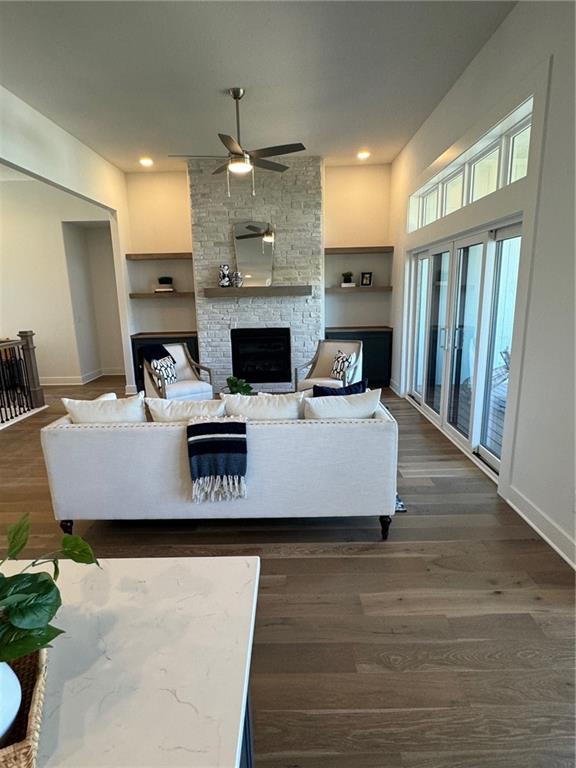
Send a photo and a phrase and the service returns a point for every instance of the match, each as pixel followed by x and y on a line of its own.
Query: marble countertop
pixel 153 669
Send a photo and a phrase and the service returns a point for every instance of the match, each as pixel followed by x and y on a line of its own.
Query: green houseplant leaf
pixel 18 536
pixel 29 600
pixel 15 643
pixel 78 550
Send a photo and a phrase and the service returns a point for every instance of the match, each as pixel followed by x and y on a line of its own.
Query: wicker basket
pixel 24 735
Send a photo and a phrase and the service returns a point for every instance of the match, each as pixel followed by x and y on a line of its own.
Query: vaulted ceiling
pixel 135 78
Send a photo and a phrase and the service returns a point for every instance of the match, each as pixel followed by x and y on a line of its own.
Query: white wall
pixel 98 243
pixel 34 286
pixel 78 266
pixel 356 205
pixel 159 208
pixel 531 50
pixel 33 143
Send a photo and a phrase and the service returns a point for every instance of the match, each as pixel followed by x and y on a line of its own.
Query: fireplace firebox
pixel 261 355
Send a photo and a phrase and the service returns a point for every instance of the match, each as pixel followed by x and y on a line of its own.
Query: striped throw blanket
pixel 217 456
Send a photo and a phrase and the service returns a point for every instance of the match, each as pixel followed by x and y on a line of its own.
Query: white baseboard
pixel 54 381
pixel 542 523
pixel 91 375
pixel 77 381
pixel 395 387
pixel 130 389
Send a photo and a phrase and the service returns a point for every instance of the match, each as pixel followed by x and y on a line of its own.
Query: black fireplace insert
pixel 261 355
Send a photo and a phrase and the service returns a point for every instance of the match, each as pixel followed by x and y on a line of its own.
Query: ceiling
pixel 146 78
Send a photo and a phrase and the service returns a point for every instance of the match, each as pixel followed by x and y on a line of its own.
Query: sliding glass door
pixel 503 302
pixel 464 295
pixel 437 330
pixel 464 336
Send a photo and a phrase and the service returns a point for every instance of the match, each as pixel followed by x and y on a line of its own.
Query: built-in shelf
pixel 255 291
pixel 359 250
pixel 158 256
pixel 359 288
pixel 163 295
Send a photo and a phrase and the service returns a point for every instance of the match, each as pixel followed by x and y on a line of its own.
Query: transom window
pixel 499 158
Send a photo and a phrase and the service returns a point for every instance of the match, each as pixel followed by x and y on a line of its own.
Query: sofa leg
pixel 67 525
pixel 385 521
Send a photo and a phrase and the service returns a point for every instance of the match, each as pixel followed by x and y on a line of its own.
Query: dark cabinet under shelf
pixel 140 340
pixel 377 351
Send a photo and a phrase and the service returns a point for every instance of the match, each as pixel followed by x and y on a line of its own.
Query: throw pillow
pixel 271 408
pixel 183 410
pixel 112 411
pixel 166 368
pixel 362 406
pixel 341 363
pixel 352 389
pixel 299 396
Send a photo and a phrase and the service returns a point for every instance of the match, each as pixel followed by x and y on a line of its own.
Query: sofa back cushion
pixel 106 411
pixel 362 406
pixel 264 408
pixel 184 410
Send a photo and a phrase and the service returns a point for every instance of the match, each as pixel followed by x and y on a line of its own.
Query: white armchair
pixel 189 385
pixel 321 366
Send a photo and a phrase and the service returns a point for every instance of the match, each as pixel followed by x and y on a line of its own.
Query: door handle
pixel 458 338
pixel 443 332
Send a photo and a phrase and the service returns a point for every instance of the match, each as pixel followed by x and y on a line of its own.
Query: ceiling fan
pixel 242 161
pixel 267 234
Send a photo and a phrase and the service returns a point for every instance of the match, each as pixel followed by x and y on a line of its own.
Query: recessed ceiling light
pixel 147 162
pixel 363 154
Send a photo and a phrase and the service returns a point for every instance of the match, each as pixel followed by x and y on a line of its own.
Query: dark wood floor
pixel 449 646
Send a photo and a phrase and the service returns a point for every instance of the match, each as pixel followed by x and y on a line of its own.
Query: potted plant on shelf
pixel 28 602
pixel 347 280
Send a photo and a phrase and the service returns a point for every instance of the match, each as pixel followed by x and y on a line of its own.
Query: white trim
pixel 22 416
pixel 56 381
pixel 543 524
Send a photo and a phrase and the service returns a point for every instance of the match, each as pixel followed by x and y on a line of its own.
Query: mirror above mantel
pixel 254 247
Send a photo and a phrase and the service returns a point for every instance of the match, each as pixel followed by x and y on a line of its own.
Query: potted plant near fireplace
pixel 29 600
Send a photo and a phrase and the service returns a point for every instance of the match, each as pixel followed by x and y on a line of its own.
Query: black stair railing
pixel 20 389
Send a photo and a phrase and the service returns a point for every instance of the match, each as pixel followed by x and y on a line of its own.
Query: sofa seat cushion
pixel 351 407
pixel 191 389
pixel 326 382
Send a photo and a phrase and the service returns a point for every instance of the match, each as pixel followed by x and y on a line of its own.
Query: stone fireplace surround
pixel 292 202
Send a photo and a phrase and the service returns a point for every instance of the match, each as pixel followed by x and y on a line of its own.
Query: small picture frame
pixel 366 280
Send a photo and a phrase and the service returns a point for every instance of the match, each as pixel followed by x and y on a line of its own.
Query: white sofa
pixel 300 468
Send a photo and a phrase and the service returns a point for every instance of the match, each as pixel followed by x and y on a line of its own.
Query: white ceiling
pixel 146 78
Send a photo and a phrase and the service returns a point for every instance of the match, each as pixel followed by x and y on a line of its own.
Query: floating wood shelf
pixel 158 256
pixel 359 250
pixel 360 289
pixel 163 295
pixel 255 291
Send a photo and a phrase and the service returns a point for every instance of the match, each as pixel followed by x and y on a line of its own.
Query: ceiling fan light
pixel 240 165
pixel 268 237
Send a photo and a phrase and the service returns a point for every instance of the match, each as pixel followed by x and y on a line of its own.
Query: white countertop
pixel 153 669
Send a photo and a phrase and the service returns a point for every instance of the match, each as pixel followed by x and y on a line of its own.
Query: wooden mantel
pixel 256 291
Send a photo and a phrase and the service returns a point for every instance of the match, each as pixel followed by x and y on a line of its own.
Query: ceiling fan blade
pixel 252 228
pixel 220 169
pixel 281 149
pixel 268 166
pixel 231 144
pixel 247 237
pixel 200 157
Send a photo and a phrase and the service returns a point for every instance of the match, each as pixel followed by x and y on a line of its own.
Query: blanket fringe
pixel 218 488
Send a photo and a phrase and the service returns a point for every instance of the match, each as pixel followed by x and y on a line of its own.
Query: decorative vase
pixel 11 695
pixel 237 279
pixel 224 280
